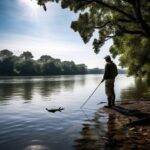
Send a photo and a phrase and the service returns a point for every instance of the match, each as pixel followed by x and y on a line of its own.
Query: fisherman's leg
pixel 108 89
pixel 109 101
pixel 113 99
pixel 112 93
pixel 109 105
pixel 108 92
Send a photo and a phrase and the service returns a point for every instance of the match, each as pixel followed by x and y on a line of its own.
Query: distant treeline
pixel 24 65
pixel 101 71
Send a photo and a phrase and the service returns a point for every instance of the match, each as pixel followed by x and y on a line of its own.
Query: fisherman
pixel 109 77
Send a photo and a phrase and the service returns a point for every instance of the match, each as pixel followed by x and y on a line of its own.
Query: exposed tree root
pixel 131 112
pixel 144 118
pixel 143 121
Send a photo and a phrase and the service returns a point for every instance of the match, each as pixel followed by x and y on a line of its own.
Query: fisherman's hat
pixel 107 57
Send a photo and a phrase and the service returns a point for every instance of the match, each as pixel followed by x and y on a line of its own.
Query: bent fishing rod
pixel 90 95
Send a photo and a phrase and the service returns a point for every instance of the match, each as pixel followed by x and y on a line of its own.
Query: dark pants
pixel 109 89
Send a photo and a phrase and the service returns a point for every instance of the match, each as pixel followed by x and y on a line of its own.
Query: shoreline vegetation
pixel 25 65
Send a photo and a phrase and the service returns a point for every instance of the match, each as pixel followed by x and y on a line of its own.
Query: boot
pixel 113 101
pixel 109 103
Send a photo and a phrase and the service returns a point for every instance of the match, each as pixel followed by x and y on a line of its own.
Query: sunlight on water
pixel 25 124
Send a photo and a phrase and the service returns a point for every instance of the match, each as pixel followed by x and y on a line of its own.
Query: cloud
pixel 63 49
pixel 46 33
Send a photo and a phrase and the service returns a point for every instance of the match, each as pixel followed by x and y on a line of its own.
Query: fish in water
pixel 55 109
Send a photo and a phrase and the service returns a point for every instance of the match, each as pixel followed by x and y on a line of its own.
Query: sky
pixel 25 26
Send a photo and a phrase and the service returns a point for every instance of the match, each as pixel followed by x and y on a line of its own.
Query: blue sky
pixel 26 26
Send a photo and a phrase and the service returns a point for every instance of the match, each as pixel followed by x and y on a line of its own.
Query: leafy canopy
pixel 127 22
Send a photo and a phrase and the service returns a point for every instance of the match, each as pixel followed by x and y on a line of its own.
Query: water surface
pixel 26 125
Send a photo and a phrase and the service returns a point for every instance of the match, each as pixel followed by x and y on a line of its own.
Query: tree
pixel 26 65
pixel 134 54
pixel 49 65
pixel 119 20
pixel 6 62
pixel 5 54
pixel 95 71
pixel 45 65
pixel 45 58
pixel 26 68
pixel 69 67
pixel 26 55
pixel 81 69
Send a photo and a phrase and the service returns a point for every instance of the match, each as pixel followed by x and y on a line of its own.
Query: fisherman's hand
pixel 102 80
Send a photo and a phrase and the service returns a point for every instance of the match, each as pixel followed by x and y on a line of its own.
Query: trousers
pixel 109 89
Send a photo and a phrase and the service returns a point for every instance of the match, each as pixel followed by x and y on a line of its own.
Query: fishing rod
pixel 90 95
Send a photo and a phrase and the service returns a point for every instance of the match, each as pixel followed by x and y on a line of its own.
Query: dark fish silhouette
pixel 55 109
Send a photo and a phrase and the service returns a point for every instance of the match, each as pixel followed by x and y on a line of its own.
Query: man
pixel 109 77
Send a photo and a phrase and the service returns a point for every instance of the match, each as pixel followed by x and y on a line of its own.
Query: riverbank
pixel 121 136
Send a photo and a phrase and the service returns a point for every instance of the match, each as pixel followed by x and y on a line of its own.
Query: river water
pixel 26 125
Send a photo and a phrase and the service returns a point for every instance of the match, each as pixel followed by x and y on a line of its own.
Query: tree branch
pixel 132 32
pixel 128 1
pixel 102 26
pixel 124 20
pixel 110 37
pixel 122 29
pixel 111 22
pixel 111 7
pixel 139 17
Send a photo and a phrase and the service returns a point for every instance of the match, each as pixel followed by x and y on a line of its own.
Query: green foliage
pixel 45 58
pixel 68 67
pixel 25 68
pixel 134 54
pixel 6 62
pixel 82 68
pixel 26 55
pixel 25 65
pixel 127 22
pixel 5 53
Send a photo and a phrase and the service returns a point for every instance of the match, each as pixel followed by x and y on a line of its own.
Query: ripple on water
pixel 36 147
pixel 26 125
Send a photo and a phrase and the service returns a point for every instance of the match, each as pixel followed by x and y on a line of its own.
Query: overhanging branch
pixel 111 7
pixel 139 17
pixel 102 26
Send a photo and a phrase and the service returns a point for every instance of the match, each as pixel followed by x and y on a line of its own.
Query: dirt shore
pixel 121 137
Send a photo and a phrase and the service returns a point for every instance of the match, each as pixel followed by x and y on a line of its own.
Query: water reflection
pixel 45 86
pixel 105 129
pixel 22 122
pixel 138 91
pixel 92 133
pixel 6 90
pixel 36 147
pixel 27 89
pixel 9 90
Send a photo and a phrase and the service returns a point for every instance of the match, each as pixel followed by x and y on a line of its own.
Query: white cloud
pixel 49 33
pixel 63 49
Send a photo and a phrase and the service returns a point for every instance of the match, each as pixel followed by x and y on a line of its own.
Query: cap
pixel 107 57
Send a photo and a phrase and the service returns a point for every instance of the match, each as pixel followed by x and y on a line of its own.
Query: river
pixel 26 125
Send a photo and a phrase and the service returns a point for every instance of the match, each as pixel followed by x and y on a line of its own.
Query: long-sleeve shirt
pixel 110 71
